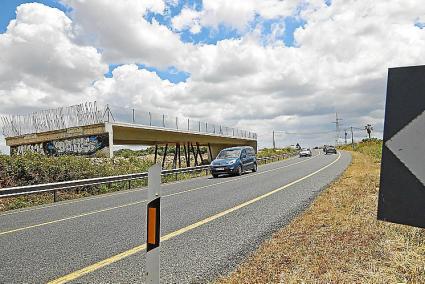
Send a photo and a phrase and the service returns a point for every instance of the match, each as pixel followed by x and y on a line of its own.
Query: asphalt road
pixel 210 225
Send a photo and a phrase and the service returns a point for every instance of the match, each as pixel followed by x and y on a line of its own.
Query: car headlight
pixel 231 162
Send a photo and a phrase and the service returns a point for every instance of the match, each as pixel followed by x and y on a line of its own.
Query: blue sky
pixel 261 62
pixel 8 7
pixel 171 74
pixel 207 35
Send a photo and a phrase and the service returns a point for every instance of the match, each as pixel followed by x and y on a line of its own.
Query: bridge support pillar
pixel 110 149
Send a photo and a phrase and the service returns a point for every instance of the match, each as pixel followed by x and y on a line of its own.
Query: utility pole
pixel 352 137
pixel 337 124
pixel 274 142
pixel 346 137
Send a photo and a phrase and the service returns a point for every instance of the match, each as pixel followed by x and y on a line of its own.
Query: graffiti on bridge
pixel 88 145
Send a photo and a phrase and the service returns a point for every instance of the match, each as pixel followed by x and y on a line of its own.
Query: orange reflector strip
pixel 151 225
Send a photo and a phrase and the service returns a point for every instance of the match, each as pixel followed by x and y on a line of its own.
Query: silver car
pixel 305 152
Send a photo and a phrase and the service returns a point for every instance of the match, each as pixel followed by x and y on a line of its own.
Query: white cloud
pixel 236 14
pixel 40 63
pixel 340 63
pixel 120 30
pixel 138 88
pixel 187 19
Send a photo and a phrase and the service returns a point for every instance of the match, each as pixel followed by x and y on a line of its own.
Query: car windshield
pixel 304 149
pixel 229 154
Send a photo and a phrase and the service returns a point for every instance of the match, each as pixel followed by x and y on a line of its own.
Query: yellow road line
pixel 100 196
pixel 84 199
pixel 89 269
pixel 242 177
pixel 70 218
pixel 138 202
pixel 68 202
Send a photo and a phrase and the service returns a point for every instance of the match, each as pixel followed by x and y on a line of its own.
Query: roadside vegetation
pixel 150 151
pixel 338 239
pixel 31 168
pixel 268 152
pixel 371 147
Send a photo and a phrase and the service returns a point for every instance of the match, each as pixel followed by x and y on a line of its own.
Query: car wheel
pixel 254 169
pixel 215 175
pixel 239 171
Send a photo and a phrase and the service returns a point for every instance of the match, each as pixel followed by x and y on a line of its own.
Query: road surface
pixel 208 225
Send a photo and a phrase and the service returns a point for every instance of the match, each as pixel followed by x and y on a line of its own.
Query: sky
pixel 263 65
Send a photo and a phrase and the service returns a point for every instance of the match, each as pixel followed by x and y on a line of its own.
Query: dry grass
pixel 339 240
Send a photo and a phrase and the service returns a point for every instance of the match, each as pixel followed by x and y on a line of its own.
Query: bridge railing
pixel 73 184
pixel 137 116
pixel 92 113
pixel 51 119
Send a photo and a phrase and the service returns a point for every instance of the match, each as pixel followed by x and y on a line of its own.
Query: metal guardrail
pixel 54 187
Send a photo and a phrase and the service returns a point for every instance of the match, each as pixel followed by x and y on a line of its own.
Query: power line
pixel 309 133
pixel 302 133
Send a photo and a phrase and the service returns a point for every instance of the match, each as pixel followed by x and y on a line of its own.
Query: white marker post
pixel 153 215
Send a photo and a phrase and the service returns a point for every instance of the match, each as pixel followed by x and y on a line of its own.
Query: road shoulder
pixel 338 239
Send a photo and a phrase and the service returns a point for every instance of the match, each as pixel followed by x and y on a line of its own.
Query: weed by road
pixel 339 240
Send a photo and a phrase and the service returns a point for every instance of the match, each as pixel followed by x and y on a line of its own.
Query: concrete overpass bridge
pixel 87 129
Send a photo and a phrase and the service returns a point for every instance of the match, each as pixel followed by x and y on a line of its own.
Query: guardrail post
pixel 153 225
pixel 55 196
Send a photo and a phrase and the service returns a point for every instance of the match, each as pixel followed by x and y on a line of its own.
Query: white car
pixel 305 152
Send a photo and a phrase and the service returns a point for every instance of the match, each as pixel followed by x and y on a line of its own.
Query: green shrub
pixel 32 168
pixel 371 147
pixel 267 152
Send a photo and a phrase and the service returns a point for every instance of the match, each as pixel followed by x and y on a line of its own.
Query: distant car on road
pixel 305 152
pixel 330 149
pixel 234 161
